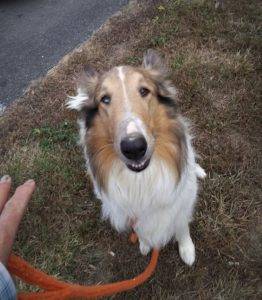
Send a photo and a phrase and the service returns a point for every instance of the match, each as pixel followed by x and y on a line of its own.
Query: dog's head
pixel 130 114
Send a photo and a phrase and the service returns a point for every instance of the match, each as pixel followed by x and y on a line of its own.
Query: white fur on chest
pixel 151 201
pixel 139 193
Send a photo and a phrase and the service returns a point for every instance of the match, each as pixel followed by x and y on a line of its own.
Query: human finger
pixel 5 186
pixel 11 217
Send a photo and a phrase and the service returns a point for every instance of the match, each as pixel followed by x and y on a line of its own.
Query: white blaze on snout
pixel 126 101
pixel 133 123
pixel 131 127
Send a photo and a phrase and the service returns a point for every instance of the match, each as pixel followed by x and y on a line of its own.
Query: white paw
pixel 144 249
pixel 200 172
pixel 97 193
pixel 187 251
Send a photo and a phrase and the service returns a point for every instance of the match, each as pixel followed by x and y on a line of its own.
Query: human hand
pixel 11 213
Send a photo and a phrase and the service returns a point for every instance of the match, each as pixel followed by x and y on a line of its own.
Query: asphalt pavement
pixel 36 34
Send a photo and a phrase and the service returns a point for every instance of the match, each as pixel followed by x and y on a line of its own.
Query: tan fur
pixel 101 152
pixel 169 141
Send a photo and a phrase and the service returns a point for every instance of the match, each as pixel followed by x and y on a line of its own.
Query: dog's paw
pixel 200 172
pixel 187 252
pixel 144 249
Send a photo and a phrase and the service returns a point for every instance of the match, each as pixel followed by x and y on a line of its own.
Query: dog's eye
pixel 144 91
pixel 106 99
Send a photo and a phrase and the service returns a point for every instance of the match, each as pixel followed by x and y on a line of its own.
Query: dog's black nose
pixel 133 146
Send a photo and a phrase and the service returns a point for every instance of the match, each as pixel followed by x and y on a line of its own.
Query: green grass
pixel 132 60
pixel 158 41
pixel 178 62
pixel 48 137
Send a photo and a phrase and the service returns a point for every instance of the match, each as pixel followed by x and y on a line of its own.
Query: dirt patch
pixel 214 55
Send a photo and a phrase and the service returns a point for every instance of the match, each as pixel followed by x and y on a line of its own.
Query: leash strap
pixel 56 289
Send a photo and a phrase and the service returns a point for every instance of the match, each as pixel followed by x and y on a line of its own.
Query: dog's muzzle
pixel 134 147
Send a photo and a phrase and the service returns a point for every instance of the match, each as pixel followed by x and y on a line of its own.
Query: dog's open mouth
pixel 138 167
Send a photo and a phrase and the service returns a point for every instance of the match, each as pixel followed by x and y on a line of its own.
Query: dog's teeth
pixel 138 165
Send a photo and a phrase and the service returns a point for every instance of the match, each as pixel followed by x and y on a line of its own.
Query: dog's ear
pixel 167 93
pixel 86 83
pixel 154 63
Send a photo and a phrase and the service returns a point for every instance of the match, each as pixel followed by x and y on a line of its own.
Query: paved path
pixel 36 34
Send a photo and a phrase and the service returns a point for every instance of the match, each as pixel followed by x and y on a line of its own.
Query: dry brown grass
pixel 215 61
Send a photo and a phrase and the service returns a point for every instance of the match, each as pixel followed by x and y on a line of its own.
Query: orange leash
pixel 56 289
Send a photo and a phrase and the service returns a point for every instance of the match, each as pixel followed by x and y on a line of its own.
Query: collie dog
pixel 138 152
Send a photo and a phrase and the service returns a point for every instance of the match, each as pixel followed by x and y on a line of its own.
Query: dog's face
pixel 129 113
pixel 127 100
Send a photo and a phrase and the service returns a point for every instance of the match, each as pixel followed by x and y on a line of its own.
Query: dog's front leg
pixel 118 218
pixel 144 247
pixel 185 244
pixel 154 230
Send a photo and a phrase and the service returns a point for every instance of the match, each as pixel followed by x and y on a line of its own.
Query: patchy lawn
pixel 215 57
